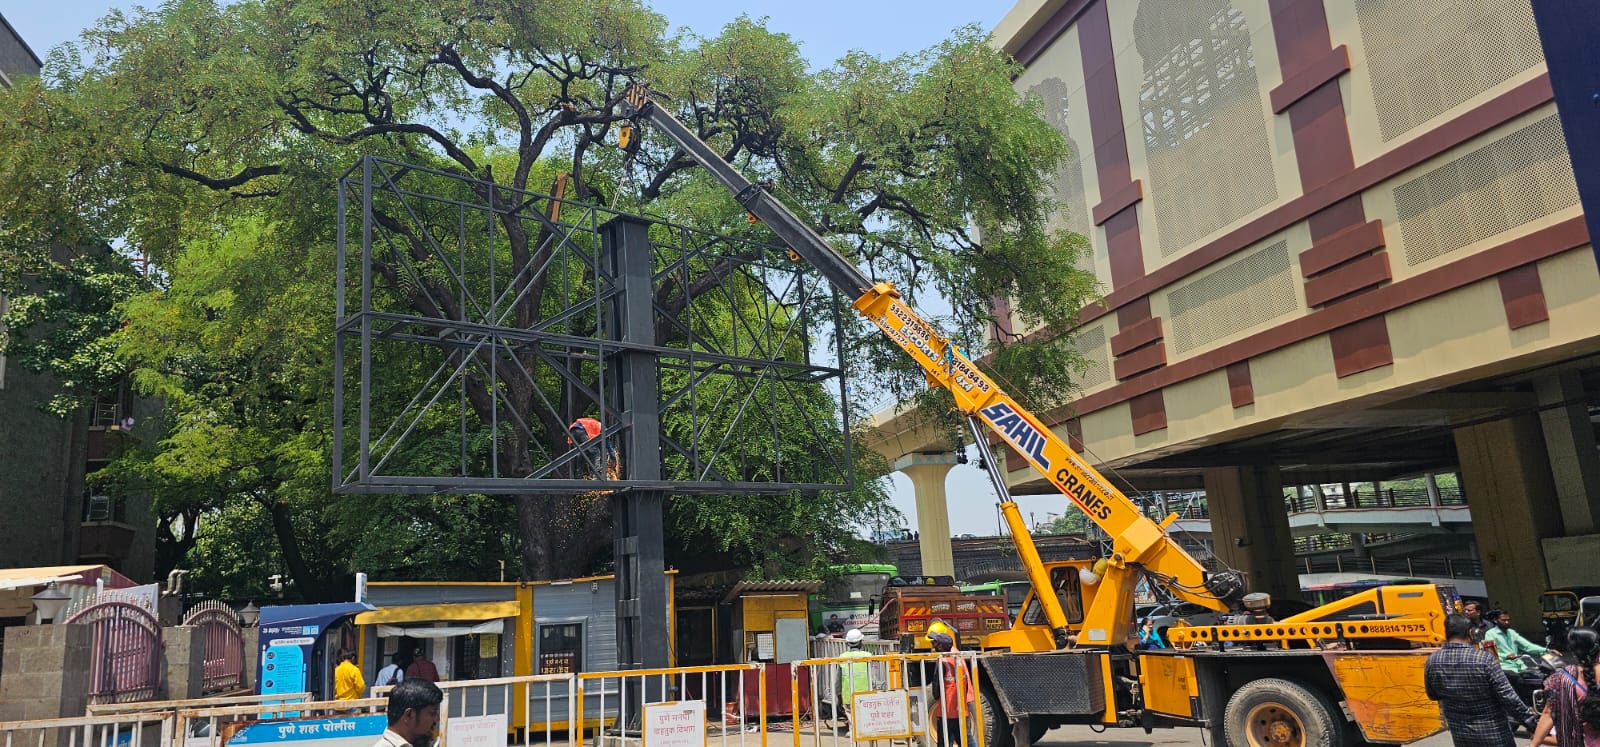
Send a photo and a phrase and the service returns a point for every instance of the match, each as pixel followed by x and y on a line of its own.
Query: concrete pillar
pixel 1510 492
pixel 184 655
pixel 927 473
pixel 45 673
pixel 1569 438
pixel 1250 526
pixel 1432 486
pixel 252 656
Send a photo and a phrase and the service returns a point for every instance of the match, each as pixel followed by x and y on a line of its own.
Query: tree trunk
pixel 563 535
pixel 314 589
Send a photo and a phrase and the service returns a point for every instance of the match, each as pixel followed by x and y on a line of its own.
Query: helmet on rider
pixel 853 637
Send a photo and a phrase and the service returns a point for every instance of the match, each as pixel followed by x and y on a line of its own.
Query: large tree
pixel 206 136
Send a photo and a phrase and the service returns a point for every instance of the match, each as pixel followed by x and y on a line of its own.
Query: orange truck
pixel 911 604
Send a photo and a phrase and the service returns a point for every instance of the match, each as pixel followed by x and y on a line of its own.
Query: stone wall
pixel 46 672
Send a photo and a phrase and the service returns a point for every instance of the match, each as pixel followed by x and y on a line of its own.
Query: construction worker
pixel 854 677
pixel 956 692
pixel 585 434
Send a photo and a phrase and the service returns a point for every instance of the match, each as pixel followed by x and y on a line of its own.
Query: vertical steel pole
pixel 641 585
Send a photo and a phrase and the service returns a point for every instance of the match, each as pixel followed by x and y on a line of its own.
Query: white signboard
pixel 680 724
pixel 476 731
pixel 880 715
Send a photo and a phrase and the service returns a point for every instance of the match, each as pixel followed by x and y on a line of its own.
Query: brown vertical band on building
pixel 1120 193
pixel 1362 346
pixel 1523 295
pixel 1241 390
pixel 1310 95
pixel 1149 412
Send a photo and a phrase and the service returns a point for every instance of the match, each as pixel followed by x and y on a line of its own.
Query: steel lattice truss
pixel 476 322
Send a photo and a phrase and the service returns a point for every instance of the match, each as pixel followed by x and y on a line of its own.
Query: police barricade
pixel 322 723
pixel 706 706
pixel 115 730
pixel 861 697
pixel 488 712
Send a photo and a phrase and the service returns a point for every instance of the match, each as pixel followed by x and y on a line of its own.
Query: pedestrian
pixel 1149 637
pixel 1571 712
pixel 413 712
pixel 854 677
pixel 392 674
pixel 348 684
pixel 421 668
pixel 1472 690
pixel 1473 609
pixel 957 695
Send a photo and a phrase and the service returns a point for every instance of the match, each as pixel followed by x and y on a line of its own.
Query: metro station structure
pixel 1338 241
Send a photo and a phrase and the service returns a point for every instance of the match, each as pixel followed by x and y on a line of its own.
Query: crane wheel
pixel 996 727
pixel 1272 712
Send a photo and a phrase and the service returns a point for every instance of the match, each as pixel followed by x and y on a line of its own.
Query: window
pixel 1068 593
pixel 560 648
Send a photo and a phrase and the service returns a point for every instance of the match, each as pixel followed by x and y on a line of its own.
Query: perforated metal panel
pixel 1242 294
pixel 1091 344
pixel 1511 181
pixel 1205 118
pixel 1068 181
pixel 1427 56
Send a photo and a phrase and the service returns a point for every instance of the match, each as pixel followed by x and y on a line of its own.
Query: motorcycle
pixel 1529 683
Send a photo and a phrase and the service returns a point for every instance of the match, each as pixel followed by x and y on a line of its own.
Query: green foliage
pixel 208 136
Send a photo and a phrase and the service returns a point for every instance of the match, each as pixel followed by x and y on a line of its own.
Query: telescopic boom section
pixel 1138 542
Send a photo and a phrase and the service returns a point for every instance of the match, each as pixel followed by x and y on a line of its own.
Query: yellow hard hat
pixel 940 626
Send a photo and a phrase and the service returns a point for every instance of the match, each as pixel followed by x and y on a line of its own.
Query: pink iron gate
pixel 125 663
pixel 224 645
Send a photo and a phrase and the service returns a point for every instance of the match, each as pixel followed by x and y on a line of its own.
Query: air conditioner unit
pixel 99 508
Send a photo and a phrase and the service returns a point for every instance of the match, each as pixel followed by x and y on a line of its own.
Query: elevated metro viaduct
pixel 1330 252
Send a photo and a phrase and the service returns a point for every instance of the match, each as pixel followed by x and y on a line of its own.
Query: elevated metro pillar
pixel 1250 527
pixel 1569 437
pixel 1506 477
pixel 927 472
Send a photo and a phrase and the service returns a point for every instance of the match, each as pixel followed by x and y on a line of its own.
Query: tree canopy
pixel 205 137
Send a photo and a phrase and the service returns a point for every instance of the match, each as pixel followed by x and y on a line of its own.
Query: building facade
pixel 1339 240
pixel 49 518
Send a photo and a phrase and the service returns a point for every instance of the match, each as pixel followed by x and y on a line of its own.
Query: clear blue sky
pixel 825 31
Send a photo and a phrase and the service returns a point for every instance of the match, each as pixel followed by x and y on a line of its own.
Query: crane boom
pixel 1139 544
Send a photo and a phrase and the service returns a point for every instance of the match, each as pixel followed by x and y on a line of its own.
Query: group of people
pixel 1476 676
pixel 955 683
pixel 349 684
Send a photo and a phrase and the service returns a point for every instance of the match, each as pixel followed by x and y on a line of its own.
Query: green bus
pixel 853 595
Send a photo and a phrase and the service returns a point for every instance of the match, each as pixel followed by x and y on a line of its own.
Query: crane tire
pixel 1272 712
pixel 996 726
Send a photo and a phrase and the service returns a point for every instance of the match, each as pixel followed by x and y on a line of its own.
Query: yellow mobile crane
pixel 1348 670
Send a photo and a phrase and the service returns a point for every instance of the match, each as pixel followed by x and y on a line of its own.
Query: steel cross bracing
pixel 475 322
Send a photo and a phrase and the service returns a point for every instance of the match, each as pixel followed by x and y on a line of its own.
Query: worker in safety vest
pixel 956 691
pixel 585 434
pixel 854 677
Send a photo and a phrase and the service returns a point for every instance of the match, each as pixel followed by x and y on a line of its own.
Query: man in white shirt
pixel 413 714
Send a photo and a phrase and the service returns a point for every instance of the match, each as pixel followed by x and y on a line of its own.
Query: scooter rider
pixel 1509 647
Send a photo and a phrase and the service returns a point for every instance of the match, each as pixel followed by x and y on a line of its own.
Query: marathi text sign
pixel 476 731
pixel 349 731
pixel 680 724
pixel 880 715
